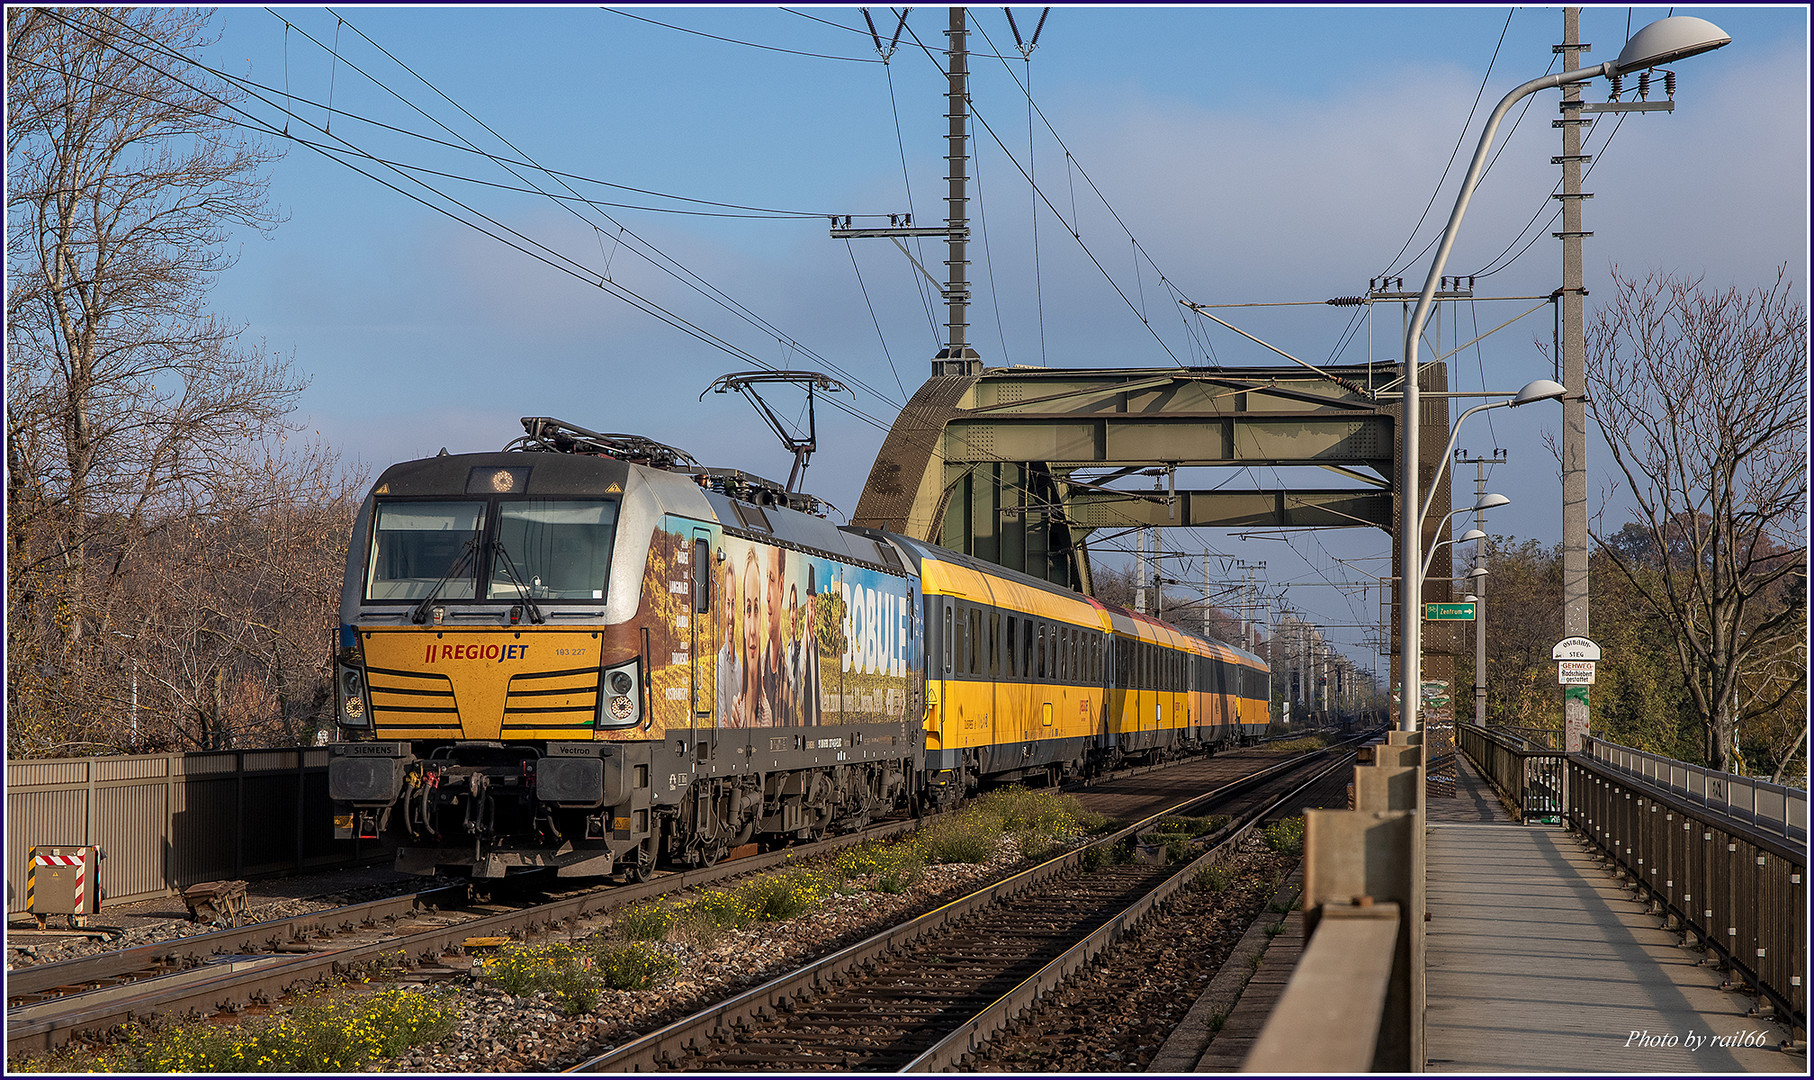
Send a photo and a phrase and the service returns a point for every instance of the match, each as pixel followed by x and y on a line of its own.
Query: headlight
pixel 350 687
pixel 619 700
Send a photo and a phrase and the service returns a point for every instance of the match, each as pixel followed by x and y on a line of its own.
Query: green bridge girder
pixel 981 462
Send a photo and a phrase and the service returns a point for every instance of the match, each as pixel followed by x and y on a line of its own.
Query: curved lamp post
pixel 1465 538
pixel 1673 38
pixel 1485 502
pixel 1539 390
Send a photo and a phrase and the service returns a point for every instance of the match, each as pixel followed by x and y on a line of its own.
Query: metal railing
pixel 1740 892
pixel 1735 888
pixel 1531 780
pixel 1770 807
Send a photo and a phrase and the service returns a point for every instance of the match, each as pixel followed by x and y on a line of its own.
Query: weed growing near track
pixel 318 1035
pixel 1216 878
pixel 1301 745
pixel 1286 835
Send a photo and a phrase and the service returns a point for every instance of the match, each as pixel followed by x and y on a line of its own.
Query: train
pixel 585 652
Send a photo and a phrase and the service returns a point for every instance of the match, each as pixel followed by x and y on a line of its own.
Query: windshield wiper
pixel 419 613
pixel 509 565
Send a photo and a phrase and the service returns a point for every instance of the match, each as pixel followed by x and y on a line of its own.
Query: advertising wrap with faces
pixel 795 640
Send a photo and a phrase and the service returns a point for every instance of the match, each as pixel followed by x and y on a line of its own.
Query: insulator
pixel 1644 86
pixel 1346 301
pixel 1669 83
pixel 1618 86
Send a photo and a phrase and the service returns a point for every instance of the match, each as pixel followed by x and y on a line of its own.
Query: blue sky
pixel 1253 154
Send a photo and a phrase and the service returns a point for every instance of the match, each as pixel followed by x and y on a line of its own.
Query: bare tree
pixel 1702 397
pixel 131 408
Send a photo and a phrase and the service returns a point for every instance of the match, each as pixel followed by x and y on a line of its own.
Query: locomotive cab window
pixel 552 549
pixel 415 544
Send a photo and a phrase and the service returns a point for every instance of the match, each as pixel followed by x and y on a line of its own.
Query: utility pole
pixel 1479 580
pixel 1269 717
pixel 959 358
pixel 1304 671
pixel 1140 570
pixel 1572 301
pixel 1206 605
pixel 1250 601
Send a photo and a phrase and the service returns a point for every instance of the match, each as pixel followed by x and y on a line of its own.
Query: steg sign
pixel 1575 648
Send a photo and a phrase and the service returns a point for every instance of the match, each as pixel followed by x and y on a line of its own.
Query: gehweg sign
pixel 1575 672
pixel 1574 659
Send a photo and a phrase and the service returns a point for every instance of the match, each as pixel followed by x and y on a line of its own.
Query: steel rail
pixel 651 1051
pixel 976 1032
pixel 48 1024
pixel 271 935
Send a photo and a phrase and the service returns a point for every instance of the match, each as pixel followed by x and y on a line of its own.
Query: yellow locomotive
pixel 587 652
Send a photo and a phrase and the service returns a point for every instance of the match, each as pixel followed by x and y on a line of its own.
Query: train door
pixel 703 616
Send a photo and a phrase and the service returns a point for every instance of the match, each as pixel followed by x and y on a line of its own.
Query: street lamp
pixel 1465 538
pixel 1537 390
pixel 1484 503
pixel 1673 38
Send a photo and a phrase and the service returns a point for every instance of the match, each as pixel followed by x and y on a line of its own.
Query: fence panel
pixel 166 821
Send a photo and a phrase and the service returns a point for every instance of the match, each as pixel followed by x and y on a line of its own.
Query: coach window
pixel 1043 671
pixel 947 639
pixel 1013 649
pixel 976 641
pixel 995 644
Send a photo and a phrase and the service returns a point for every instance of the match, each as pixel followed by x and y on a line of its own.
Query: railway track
pixel 923 996
pixel 228 970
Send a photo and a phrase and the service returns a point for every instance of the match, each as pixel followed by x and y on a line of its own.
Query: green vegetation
pixel 1040 821
pixel 961 838
pixel 1285 835
pixel 1215 878
pixel 362 1031
pixel 575 976
pixel 648 921
pixel 1303 744
pixel 317 1035
pixel 1176 834
pixel 893 868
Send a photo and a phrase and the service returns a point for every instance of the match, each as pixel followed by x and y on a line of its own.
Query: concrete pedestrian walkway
pixel 1538 961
